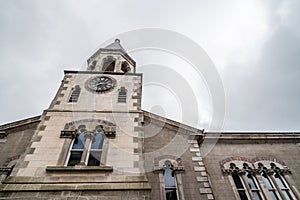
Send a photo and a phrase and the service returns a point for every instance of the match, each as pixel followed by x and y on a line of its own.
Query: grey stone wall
pixel 285 152
pixel 160 142
pixel 16 141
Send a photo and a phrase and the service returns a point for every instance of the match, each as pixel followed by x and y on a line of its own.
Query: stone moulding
pixel 74 187
pixel 78 168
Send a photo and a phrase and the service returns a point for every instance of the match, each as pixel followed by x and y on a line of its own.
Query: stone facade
pixel 142 155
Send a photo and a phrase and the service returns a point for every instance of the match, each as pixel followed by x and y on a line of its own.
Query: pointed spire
pixel 116 46
pixel 114 49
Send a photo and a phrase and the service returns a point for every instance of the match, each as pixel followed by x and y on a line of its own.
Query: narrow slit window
pixel 75 94
pixel 122 95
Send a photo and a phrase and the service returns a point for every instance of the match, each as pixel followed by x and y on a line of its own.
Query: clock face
pixel 100 83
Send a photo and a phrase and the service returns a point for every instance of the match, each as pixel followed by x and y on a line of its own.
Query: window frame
pixel 86 151
pixel 74 94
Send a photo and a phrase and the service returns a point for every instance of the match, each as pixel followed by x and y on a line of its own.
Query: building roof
pixel 116 46
pixel 113 47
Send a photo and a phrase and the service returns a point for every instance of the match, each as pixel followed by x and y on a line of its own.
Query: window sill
pixel 78 168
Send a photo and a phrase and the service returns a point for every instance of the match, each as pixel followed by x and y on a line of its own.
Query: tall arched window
pixel 109 64
pixel 267 179
pixel 170 182
pixel 122 95
pixel 77 147
pixel 75 94
pixel 240 187
pixel 268 183
pixel 86 147
pixel 273 176
pixel 253 185
pixel 95 149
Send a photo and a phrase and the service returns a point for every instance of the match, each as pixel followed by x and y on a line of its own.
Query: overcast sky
pixel 254 44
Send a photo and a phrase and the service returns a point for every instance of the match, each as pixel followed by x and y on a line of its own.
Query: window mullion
pixel 276 186
pixel 85 150
pixel 69 153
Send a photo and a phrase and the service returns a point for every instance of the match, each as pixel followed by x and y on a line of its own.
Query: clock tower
pixel 91 135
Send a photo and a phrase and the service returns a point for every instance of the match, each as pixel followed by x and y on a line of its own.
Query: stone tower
pixel 89 139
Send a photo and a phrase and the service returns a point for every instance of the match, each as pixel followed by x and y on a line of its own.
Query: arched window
pixel 268 183
pixel 122 95
pixel 95 149
pixel 75 94
pixel 109 64
pixel 240 187
pixel 77 144
pixel 124 67
pixel 266 180
pixel 273 176
pixel 170 182
pixel 86 147
pixel 253 185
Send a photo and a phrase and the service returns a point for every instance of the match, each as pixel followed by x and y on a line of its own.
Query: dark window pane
pixel 237 180
pixel 94 158
pixel 171 194
pixel 75 158
pixel 242 194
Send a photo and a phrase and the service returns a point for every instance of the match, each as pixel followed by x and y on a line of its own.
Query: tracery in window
pixel 86 147
pixel 259 178
pixel 275 182
pixel 75 94
pixel 240 187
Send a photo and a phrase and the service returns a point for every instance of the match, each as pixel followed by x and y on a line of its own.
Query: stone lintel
pixel 78 168
pixel 74 187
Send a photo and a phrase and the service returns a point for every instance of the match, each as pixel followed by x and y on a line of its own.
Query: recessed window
pixel 86 148
pixel 170 182
pixel 75 94
pixel 125 67
pixel 109 64
pixel 239 185
pixel 122 95
pixel 269 185
pixel 271 176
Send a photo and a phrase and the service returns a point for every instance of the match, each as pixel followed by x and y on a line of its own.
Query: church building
pixel 94 141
